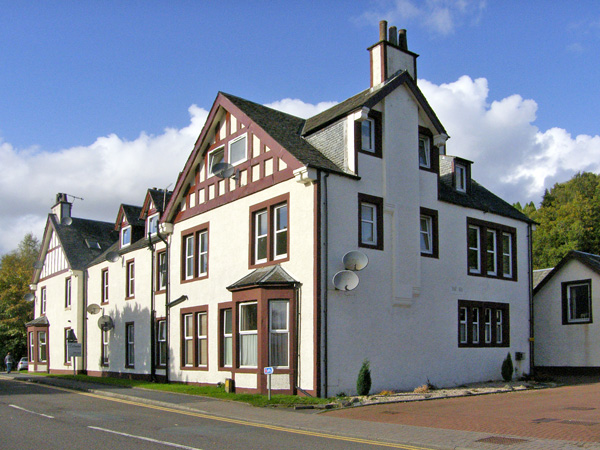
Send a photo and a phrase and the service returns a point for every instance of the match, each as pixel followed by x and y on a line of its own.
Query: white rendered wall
pixel 558 345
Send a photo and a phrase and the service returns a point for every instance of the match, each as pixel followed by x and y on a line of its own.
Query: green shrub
pixel 507 368
pixel 363 383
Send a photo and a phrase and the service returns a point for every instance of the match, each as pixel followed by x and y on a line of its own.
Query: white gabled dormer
pixel 391 55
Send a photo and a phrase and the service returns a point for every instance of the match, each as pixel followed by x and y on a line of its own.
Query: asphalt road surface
pixel 34 416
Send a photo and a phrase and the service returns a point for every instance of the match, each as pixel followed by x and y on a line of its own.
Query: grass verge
pixel 205 391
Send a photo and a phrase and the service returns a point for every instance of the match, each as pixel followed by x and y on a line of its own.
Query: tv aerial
pixel 345 280
pixel 105 323
pixel 93 308
pixel 355 260
pixel 224 170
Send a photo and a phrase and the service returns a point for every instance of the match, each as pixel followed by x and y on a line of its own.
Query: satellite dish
pixel 66 221
pixel 38 265
pixel 29 297
pixel 93 308
pixel 105 323
pixel 112 257
pixel 355 260
pixel 223 170
pixel 345 280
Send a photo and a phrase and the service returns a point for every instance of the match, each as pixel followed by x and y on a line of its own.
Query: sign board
pixel 74 349
pixel 268 370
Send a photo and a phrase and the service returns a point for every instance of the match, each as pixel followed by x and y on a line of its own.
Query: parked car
pixel 23 364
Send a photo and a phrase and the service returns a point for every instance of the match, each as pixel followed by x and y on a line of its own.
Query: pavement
pixel 561 418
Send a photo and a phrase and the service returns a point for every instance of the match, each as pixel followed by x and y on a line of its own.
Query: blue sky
pixel 94 94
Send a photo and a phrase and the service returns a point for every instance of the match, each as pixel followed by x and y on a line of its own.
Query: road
pixel 37 416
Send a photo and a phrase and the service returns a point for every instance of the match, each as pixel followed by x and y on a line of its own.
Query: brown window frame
pixel 377 119
pixel 378 203
pixel 500 231
pixel 129 355
pixel 434 152
pixel 269 207
pixel 565 302
pixel 130 279
pixel 159 289
pixel 194 233
pixel 480 340
pixel 68 292
pixel 435 246
pixel 194 311
pixel 105 287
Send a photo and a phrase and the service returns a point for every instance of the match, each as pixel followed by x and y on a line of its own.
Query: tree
pixel 16 269
pixel 363 383
pixel 568 219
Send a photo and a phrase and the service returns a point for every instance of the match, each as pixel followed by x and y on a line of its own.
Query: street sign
pixel 268 370
pixel 74 349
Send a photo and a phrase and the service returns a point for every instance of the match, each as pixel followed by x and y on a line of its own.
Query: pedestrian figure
pixel 8 361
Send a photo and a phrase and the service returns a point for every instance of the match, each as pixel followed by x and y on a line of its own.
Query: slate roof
pixel 270 276
pixel 369 98
pixel 539 275
pixel 285 129
pixel 73 239
pixel 478 198
pixel 159 198
pixel 132 214
pixel 41 321
pixel 588 259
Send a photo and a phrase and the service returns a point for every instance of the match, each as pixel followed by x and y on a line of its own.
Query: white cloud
pixel 105 174
pixel 512 157
pixel 438 16
pixel 299 108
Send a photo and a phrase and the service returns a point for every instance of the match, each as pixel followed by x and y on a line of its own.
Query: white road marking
pixel 31 412
pixel 170 444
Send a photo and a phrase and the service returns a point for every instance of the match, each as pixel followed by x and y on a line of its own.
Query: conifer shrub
pixel 363 383
pixel 507 368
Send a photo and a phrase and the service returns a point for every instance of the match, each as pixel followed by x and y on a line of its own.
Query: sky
pixel 104 99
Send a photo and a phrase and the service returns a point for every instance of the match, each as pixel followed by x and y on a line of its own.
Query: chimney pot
pixel 383 30
pixel 402 42
pixel 393 35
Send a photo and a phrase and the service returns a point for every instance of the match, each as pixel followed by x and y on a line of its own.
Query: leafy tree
pixel 16 269
pixel 568 219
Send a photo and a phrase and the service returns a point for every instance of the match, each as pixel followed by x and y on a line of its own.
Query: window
pixel 577 302
pixel 248 335
pixel 237 150
pixel 31 347
pixel 68 292
pixel 494 318
pixel 269 225
pixel 227 338
pixel 367 138
pixel 370 225
pixel 499 258
pixel 130 345
pixel 105 342
pixel 161 342
pixel 460 180
pixel 43 300
pixel 368 134
pixel 215 157
pixel 278 333
pixel 429 233
pixel 424 152
pixel 152 224
pixel 188 340
pixel 66 347
pixel 491 252
pixel 195 253
pixel 202 327
pixel 130 280
pixel 126 236
pixel 104 295
pixel 42 347
pixel 161 270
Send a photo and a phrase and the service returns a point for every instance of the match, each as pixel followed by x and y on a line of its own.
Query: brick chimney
pixel 391 55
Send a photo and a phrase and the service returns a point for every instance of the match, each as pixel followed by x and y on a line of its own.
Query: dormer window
pixel 237 150
pixel 425 152
pixel 367 134
pixel 153 224
pixel 126 236
pixel 460 177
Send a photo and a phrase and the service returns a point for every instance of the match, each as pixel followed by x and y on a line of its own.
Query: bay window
pixel 248 331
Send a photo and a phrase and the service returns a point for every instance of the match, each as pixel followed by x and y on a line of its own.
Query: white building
pixel 255 249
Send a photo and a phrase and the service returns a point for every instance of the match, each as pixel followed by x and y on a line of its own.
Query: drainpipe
pixel 324 281
pixel 152 313
pixel 84 277
pixel 531 318
pixel 167 314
